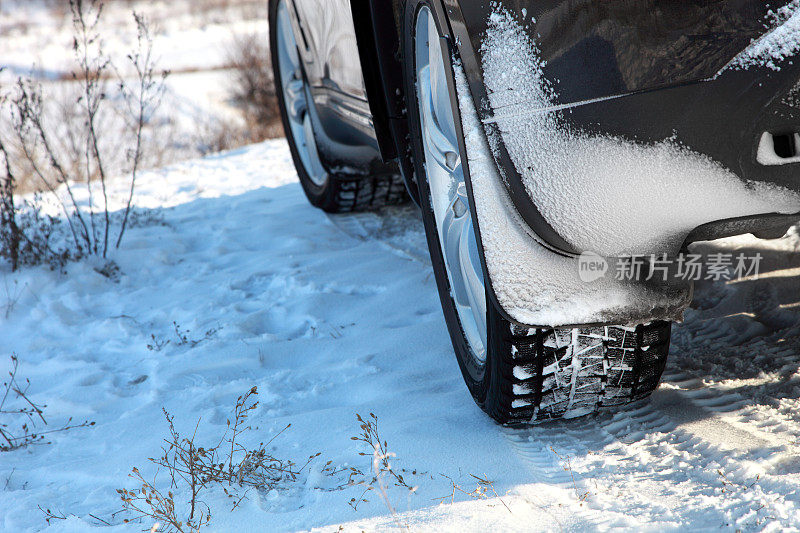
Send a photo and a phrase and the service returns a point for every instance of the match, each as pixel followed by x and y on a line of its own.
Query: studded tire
pixel 532 374
pixel 567 372
pixel 346 194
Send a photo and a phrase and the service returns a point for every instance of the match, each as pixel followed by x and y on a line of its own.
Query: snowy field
pixel 330 316
pixel 230 280
pixel 195 40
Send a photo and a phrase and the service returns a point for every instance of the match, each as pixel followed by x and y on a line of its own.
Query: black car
pixel 564 154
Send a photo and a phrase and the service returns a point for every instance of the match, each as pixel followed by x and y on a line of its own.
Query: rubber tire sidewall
pixel 488 384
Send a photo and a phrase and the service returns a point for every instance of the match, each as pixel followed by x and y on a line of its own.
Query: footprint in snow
pixel 277 321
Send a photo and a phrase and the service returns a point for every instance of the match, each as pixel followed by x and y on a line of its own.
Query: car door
pixel 333 66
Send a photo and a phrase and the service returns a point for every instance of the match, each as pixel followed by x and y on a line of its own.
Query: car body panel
pixel 343 120
pixel 644 71
pixel 593 49
pixel 329 35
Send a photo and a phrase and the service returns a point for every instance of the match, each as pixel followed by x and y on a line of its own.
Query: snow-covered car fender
pixel 533 284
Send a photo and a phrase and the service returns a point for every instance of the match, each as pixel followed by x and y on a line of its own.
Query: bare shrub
pixel 19 415
pixel 25 233
pixel 254 87
pixel 10 234
pixel 480 492
pixel 381 465
pixel 182 338
pixel 194 469
pixel 69 147
pixel 149 502
pixel 142 101
pixel 218 135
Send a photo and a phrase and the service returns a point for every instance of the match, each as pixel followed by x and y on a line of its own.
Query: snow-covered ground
pixel 330 316
pixel 333 316
pixel 192 39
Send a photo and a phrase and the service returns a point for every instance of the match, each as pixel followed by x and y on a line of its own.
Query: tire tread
pixel 369 192
pixel 554 373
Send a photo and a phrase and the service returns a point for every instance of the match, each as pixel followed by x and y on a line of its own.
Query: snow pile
pixel 781 42
pixel 327 316
pixel 600 193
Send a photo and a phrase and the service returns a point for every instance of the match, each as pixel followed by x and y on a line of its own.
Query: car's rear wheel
pixel 326 189
pixel 516 374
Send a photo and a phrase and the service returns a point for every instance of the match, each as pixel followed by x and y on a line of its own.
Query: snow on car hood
pixel 601 193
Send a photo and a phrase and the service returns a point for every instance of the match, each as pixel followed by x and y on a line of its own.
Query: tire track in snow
pixel 718 441
pixel 399 229
pixel 697 451
pixel 690 434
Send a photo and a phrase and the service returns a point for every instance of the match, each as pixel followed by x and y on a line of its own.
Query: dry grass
pixel 566 465
pixel 253 92
pixel 20 415
pixel 165 140
pixel 481 491
pixel 254 86
pixel 77 147
pixel 382 468
pixel 193 469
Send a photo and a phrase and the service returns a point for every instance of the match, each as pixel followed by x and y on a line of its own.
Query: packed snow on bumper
pixel 534 285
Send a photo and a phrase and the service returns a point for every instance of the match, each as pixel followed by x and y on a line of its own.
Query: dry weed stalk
pixel 10 233
pixel 567 466
pixel 142 101
pixel 24 232
pixel 77 151
pixel 480 492
pixel 228 464
pixel 14 435
pixel 381 464
pixel 254 87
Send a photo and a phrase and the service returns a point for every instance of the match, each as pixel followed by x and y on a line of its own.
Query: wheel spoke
pixel 290 59
pixel 314 166
pixel 438 84
pixel 296 104
pixel 451 232
pixel 445 177
pixel 297 99
pixel 442 148
pixel 472 272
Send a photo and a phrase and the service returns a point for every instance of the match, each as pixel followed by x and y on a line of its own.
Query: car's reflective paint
pixel 597 48
pixel 654 57
pixel 659 60
pixel 331 50
pixel 343 122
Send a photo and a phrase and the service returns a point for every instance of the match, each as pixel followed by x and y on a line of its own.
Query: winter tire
pixel 324 188
pixel 515 374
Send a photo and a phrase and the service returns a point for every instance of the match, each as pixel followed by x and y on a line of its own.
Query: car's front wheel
pixel 516 374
